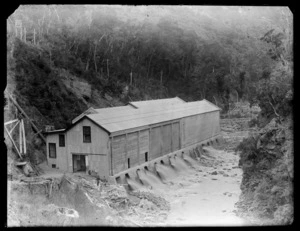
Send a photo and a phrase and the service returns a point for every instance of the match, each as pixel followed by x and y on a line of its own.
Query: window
pixel 146 156
pixel 61 140
pixel 86 134
pixel 53 165
pixel 128 162
pixel 52 150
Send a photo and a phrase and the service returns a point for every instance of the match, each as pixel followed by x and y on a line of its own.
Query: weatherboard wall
pixel 61 158
pixel 96 152
pixel 199 127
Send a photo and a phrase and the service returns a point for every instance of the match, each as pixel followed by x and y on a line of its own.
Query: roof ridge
pixel 153 100
pixel 149 114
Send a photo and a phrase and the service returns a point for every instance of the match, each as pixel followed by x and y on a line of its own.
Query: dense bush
pixel 40 85
pixel 168 57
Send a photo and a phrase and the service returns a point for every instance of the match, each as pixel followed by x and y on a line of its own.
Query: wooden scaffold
pixel 11 125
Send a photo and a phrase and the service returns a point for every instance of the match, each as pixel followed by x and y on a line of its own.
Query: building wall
pixel 175 136
pixel 119 153
pixel 129 146
pixel 61 160
pixel 199 127
pixel 96 152
pixel 157 141
pixel 143 145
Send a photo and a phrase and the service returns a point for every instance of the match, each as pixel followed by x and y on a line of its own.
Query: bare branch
pixel 274 109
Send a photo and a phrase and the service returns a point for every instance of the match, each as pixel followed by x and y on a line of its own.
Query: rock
pixel 223 211
pixel 108 97
pixel 270 146
pixel 221 172
pixel 226 175
pixel 214 173
pixel 214 179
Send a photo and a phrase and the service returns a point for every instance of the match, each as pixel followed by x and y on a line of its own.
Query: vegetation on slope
pixel 159 51
pixel 218 53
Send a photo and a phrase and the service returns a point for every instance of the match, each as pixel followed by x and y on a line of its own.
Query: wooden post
pixel 24 140
pixel 21 110
pixel 12 141
pixel 20 138
pixel 14 127
pixel 111 156
pixel 138 146
pixel 126 154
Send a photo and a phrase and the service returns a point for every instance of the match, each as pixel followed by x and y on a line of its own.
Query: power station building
pixel 109 141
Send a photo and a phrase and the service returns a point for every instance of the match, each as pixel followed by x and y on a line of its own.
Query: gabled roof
pixel 158 104
pixel 86 112
pixel 114 121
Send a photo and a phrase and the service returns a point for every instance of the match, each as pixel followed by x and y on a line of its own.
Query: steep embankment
pixel 50 94
pixel 267 185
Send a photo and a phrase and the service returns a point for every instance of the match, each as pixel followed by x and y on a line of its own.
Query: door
pixel 79 164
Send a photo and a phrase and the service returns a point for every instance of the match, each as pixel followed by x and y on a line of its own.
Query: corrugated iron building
pixel 111 140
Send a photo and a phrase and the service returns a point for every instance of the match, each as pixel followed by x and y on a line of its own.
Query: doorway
pixel 79 163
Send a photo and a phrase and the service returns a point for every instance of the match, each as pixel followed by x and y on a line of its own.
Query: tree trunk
pixel 76 48
pixel 95 51
pixel 215 100
pixel 25 35
pixel 149 64
pixel 95 57
pixel 107 69
pixel 88 59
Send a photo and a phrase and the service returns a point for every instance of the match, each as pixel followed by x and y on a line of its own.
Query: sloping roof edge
pixel 82 118
pixel 54 131
pixel 180 99
pixel 212 104
pixel 83 113
pixel 132 105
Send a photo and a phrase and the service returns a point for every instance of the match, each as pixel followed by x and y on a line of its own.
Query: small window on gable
pixel 61 140
pixel 87 134
pixel 52 150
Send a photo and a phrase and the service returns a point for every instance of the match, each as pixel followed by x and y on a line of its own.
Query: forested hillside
pixel 63 59
pixel 222 54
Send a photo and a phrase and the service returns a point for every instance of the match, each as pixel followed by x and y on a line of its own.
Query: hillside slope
pixel 267 160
